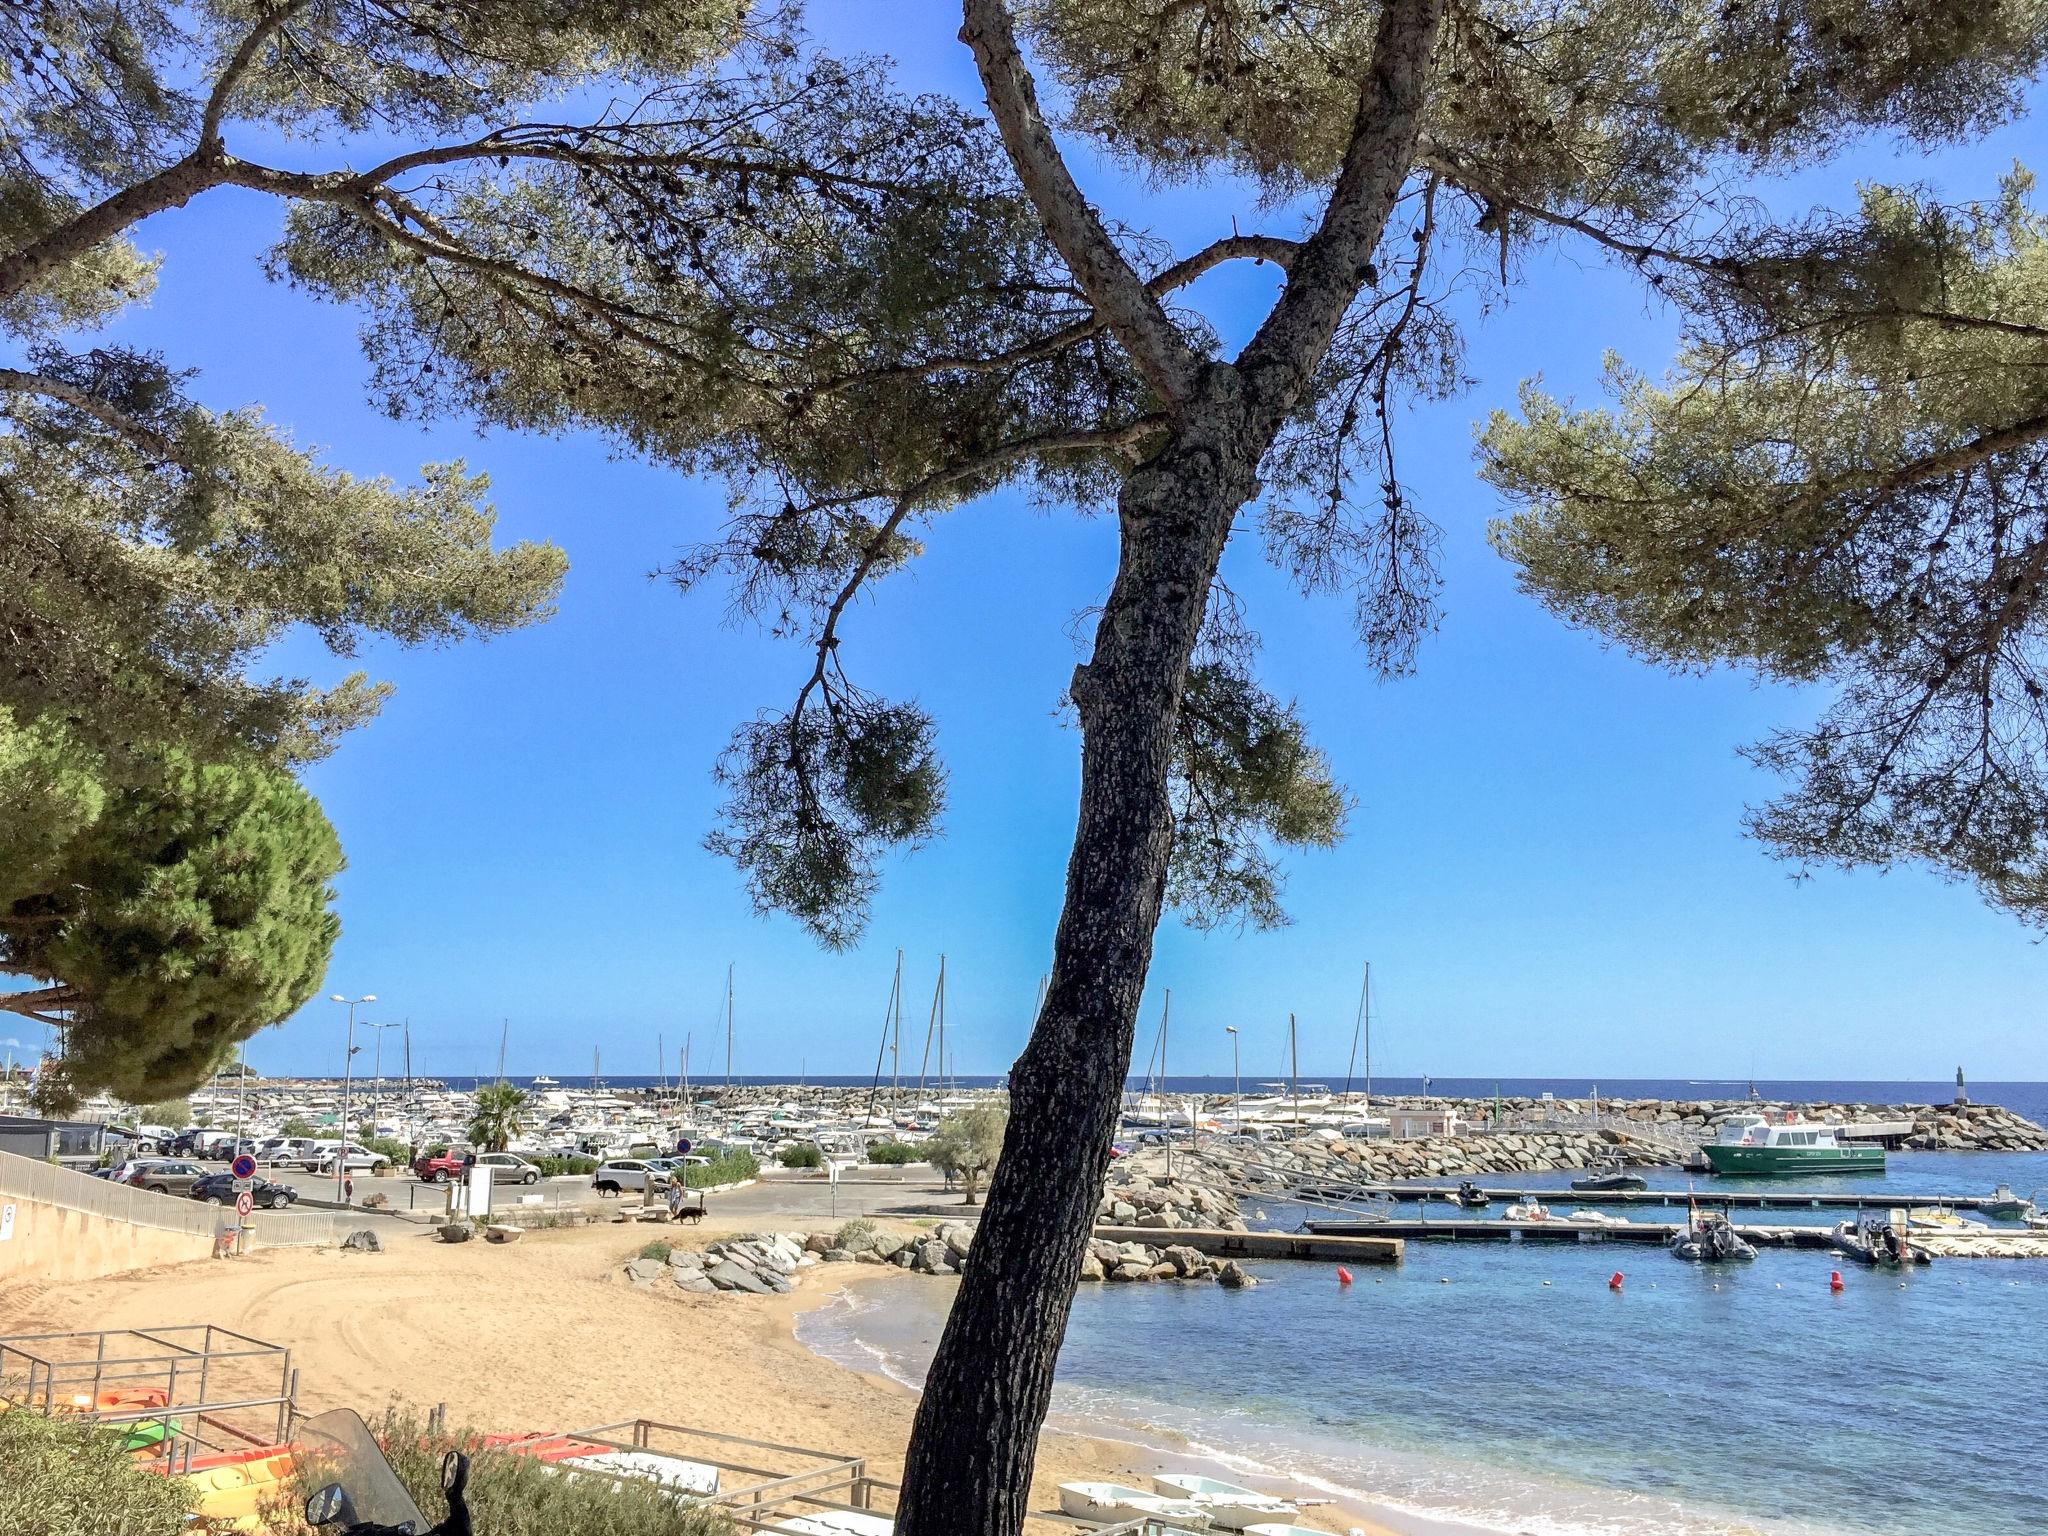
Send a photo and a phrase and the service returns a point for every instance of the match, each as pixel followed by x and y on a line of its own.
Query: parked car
pixel 439 1168
pixel 160 1175
pixel 509 1167
pixel 615 1175
pixel 359 1159
pixel 281 1150
pixel 219 1189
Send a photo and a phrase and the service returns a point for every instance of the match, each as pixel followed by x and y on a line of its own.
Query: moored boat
pixel 2004 1205
pixel 1527 1209
pixel 1609 1176
pixel 1752 1144
pixel 1710 1239
pixel 1230 1506
pixel 1875 1241
pixel 1112 1503
pixel 1469 1197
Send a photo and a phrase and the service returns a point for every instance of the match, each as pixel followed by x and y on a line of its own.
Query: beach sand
pixel 548 1334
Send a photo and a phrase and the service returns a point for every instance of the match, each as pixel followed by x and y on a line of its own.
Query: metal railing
pixel 48 1184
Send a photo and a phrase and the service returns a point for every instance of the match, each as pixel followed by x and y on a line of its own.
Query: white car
pixel 617 1174
pixel 359 1160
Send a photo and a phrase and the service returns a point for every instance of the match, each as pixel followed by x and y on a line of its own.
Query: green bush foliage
pixel 858 1233
pixel 298 1126
pixel 892 1154
pixel 656 1250
pixel 389 1146
pixel 726 1168
pixel 804 1156
pixel 552 1167
pixel 63 1477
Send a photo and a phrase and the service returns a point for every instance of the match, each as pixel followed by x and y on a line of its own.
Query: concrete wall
pixel 52 1244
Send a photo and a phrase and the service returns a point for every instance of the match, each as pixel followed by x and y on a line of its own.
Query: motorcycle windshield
pixel 340 1449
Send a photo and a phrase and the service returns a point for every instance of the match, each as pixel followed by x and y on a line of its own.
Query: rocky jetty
pixel 1149 1189
pixel 762 1263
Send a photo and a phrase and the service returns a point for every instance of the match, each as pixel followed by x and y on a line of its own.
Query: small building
pixel 1408 1124
pixel 65 1141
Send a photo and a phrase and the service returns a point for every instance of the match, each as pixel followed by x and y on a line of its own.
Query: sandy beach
pixel 548 1334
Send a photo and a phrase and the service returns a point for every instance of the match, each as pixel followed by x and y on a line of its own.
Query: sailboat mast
pixel 660 1063
pixel 1165 1013
pixel 728 1024
pixel 1365 1018
pixel 504 1034
pixel 1294 1071
pixel 896 1038
pixel 942 1020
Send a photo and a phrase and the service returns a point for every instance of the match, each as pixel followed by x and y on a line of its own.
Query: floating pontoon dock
pixel 1343 1242
pixel 1742 1199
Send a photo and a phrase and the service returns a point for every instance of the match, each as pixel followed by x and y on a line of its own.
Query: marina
pixel 1741 1199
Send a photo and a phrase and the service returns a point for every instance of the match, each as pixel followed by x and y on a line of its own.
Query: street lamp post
pixel 348 1072
pixel 1236 1077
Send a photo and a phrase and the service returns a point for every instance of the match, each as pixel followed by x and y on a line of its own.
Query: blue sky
pixel 1545 868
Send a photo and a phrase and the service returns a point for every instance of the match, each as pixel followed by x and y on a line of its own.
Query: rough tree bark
pixel 969 1465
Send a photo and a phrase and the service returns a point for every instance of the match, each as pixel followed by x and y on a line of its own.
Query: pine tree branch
pixel 238 65
pixel 134 429
pixel 1330 269
pixel 1126 304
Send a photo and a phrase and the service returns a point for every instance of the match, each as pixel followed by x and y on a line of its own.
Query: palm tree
pixel 497 1117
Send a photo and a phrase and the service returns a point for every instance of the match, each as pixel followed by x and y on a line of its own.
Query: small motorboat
pixel 1528 1208
pixel 1230 1506
pixel 1873 1240
pixel 2004 1205
pixel 2037 1221
pixel 1710 1240
pixel 1114 1504
pixel 1469 1197
pixel 1609 1176
pixel 1939 1218
pixel 1596 1219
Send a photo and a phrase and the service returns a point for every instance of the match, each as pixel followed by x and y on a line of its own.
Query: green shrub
pixel 511 1495
pixel 860 1230
pixel 553 1167
pixel 66 1476
pixel 804 1156
pixel 656 1250
pixel 389 1146
pixel 892 1154
pixel 434 1150
pixel 297 1126
pixel 726 1168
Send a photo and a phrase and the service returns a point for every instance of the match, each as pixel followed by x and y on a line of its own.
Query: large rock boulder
pixel 645 1271
pixel 728 1275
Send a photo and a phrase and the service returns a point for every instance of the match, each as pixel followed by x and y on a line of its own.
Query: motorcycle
pixel 364 1496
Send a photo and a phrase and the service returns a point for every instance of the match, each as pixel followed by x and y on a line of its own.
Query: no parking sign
pixel 243 1167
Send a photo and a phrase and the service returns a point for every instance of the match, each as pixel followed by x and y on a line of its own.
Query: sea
pixel 1510 1388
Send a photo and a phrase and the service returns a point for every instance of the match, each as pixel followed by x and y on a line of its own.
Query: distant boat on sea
pixel 544 1081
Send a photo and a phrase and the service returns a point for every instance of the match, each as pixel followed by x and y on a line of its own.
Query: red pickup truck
pixel 439 1168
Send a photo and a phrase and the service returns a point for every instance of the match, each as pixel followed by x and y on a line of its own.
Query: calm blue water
pixel 1508 1387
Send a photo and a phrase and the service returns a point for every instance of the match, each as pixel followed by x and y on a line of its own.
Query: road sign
pixel 244 1203
pixel 243 1167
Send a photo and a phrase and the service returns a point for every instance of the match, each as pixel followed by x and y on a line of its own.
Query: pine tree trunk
pixel 969 1467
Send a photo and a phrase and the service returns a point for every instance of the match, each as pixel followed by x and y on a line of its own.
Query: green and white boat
pixel 1750 1144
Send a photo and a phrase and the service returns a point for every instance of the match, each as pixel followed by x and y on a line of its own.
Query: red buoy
pixel 1614 1281
pixel 1343 1275
pixel 1834 1279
